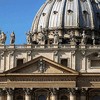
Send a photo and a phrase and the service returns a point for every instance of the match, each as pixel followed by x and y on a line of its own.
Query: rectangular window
pixel 19 62
pixel 95 63
pixel 64 62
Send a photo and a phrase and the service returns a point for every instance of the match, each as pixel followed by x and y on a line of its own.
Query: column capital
pixel 27 91
pixel 53 91
pixel 83 91
pixel 9 91
pixel 72 91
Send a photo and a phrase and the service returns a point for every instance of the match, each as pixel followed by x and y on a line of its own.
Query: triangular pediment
pixel 41 65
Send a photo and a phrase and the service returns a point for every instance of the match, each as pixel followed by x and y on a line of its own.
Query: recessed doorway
pixel 64 97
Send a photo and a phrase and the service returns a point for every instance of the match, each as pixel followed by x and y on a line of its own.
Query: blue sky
pixel 17 16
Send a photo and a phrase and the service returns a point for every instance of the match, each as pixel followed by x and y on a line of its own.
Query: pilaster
pixel 12 59
pixel 2 62
pixel 83 69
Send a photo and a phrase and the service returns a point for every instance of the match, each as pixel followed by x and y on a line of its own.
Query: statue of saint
pixel 34 36
pixel 93 38
pixel 2 38
pixel 56 37
pixel 83 41
pixel 12 38
pixel 29 37
pixel 41 36
pixel 72 38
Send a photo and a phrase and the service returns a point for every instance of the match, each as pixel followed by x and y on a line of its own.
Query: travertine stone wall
pixel 79 57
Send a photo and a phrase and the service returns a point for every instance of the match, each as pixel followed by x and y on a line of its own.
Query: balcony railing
pixel 62 46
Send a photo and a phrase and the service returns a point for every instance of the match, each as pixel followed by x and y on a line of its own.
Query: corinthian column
pixel 1 94
pixel 9 94
pixel 53 94
pixel 27 94
pixel 72 93
pixel 83 94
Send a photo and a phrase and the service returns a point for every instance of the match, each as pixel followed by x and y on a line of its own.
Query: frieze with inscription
pixel 42 78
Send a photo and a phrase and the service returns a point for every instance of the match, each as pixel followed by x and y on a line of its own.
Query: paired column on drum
pixel 53 95
pixel 27 94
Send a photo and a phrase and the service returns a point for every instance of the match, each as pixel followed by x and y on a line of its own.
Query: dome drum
pixel 65 36
pixel 67 21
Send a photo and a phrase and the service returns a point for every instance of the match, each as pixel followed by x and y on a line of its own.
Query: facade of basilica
pixel 61 60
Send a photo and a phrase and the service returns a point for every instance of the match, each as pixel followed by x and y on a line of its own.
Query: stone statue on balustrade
pixel 29 37
pixel 41 36
pixel 12 38
pixel 72 38
pixel 34 36
pixel 56 37
pixel 93 39
pixel 83 40
pixel 2 38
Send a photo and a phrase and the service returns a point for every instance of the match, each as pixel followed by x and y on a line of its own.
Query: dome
pixel 68 17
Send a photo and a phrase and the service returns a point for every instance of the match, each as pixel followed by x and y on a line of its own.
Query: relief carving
pixel 41 66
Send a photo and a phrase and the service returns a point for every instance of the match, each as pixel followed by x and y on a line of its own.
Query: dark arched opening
pixel 96 97
pixel 42 97
pixel 20 97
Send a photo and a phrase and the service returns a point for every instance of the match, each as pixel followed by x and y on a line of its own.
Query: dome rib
pixel 77 14
pixel 62 13
pixel 91 13
pixel 47 23
pixel 37 17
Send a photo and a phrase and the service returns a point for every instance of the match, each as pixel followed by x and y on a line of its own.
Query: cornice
pixel 40 74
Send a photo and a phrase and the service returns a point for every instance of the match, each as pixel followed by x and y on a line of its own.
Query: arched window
pixel 20 97
pixel 42 97
pixel 64 97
